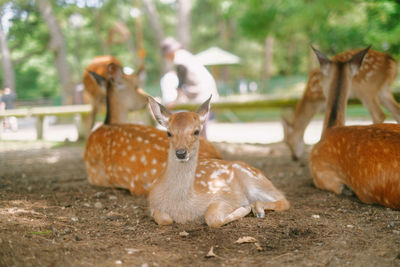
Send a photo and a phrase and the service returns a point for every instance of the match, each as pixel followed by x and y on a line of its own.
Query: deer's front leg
pixel 259 207
pixel 162 218
pixel 220 213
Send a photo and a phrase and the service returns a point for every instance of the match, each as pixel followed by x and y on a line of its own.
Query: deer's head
pixel 183 128
pixel 129 94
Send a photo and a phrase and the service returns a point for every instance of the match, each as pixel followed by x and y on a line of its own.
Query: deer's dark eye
pixel 169 134
pixel 197 132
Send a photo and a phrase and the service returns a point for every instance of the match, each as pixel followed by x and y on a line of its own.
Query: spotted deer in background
pixel 130 96
pixel 128 156
pixel 198 189
pixel 371 85
pixel 364 158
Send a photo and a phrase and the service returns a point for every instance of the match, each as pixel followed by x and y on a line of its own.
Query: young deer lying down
pixel 364 158
pixel 198 189
pixel 371 85
pixel 127 155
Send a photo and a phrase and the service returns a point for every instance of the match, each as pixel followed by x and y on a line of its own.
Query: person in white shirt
pixel 195 83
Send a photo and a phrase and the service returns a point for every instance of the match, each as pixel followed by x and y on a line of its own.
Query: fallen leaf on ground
pixel 246 239
pixel 259 248
pixel 184 233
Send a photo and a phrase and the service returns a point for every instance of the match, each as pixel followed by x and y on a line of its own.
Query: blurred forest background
pixel 47 44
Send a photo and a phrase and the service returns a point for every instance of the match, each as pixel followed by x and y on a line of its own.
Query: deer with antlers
pixel 371 85
pixel 364 158
pixel 198 189
pixel 131 97
pixel 127 156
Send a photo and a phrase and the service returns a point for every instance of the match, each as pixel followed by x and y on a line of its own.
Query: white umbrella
pixel 216 56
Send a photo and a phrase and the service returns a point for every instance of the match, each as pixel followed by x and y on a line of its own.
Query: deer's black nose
pixel 181 154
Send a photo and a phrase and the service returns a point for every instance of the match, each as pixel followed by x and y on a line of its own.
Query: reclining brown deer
pixel 371 85
pixel 364 158
pixel 128 156
pixel 205 189
pixel 130 96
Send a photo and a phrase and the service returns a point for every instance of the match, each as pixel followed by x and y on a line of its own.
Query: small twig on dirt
pixel 211 254
pixel 282 255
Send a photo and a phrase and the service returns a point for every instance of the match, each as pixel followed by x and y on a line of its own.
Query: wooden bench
pixel 41 112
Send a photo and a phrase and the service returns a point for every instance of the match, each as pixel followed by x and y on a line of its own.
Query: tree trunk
pixel 97 29
pixel 269 45
pixel 184 7
pixel 58 46
pixel 8 70
pixel 156 25
pixel 140 51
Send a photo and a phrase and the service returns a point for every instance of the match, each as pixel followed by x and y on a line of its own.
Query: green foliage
pixel 237 26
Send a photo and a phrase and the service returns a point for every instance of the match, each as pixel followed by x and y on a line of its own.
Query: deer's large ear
pixel 324 61
pixel 159 112
pixel 114 73
pixel 357 60
pixel 204 109
pixel 100 80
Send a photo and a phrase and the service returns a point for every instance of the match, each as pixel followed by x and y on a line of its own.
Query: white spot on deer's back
pixel 133 158
pixel 158 147
pixel 220 171
pixel 231 176
pixel 146 141
pixel 153 171
pixel 123 153
pixel 139 139
pixel 244 169
pixel 144 174
pixel 152 135
pixel 379 166
pixel 143 160
pixel 198 175
pixel 395 164
pixel 154 161
pixel 129 147
pixel 128 170
pixel 132 184
pixel 203 183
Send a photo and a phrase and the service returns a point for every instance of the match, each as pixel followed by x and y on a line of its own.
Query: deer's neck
pixel 339 88
pixel 112 114
pixel 179 176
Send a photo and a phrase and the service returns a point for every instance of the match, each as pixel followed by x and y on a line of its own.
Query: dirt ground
pixel 51 216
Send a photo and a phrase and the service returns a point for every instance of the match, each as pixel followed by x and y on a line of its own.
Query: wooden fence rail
pixel 41 112
pixel 224 104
